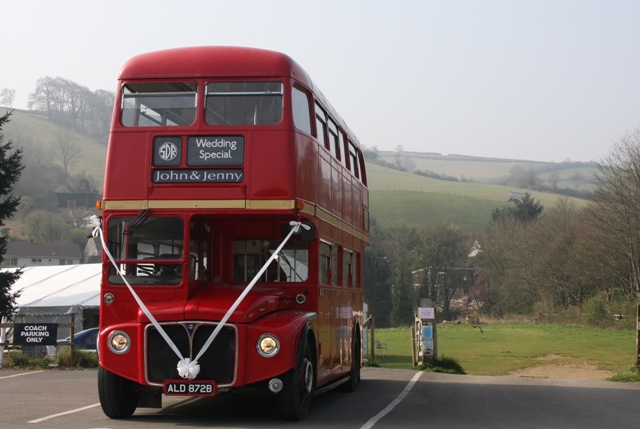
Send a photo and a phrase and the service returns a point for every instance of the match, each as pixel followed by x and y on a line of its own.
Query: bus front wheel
pixel 298 387
pixel 117 396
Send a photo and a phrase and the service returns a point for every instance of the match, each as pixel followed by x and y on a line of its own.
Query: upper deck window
pixel 301 112
pixel 161 104
pixel 244 103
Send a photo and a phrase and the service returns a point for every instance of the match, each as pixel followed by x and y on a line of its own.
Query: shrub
pixel 81 359
pixel 14 360
pixel 595 314
pixel 443 364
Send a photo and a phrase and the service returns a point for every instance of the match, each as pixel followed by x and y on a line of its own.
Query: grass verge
pixel 503 348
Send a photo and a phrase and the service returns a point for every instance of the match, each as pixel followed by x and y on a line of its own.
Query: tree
pixel 7 96
pixel 526 209
pixel 65 149
pixel 10 170
pixel 378 277
pixel 577 177
pixel 554 178
pixel 443 251
pixel 616 208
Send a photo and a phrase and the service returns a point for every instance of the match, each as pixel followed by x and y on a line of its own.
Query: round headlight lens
pixel 119 342
pixel 268 345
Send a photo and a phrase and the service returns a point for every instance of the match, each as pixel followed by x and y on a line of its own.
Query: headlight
pixel 268 345
pixel 119 342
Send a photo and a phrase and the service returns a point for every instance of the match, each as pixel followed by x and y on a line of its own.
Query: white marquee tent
pixel 51 294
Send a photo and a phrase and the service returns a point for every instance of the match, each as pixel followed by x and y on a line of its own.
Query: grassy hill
pixel 493 170
pixel 407 198
pixel 35 133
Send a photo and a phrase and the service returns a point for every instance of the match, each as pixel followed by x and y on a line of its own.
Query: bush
pixel 595 314
pixel 81 359
pixel 633 376
pixel 13 360
pixel 444 364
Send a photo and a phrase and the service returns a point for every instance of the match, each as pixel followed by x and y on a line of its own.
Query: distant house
pixel 20 254
pixel 93 251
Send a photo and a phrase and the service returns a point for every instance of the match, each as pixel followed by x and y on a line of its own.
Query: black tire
pixel 117 396
pixel 354 374
pixel 298 387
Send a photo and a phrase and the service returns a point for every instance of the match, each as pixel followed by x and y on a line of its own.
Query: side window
pixel 344 159
pixel 324 264
pixel 347 269
pixel 301 113
pixel 353 160
pixel 334 145
pixel 355 278
pixel 321 125
pixel 334 265
pixel 363 171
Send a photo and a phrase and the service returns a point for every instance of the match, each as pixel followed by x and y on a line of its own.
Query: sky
pixel 540 80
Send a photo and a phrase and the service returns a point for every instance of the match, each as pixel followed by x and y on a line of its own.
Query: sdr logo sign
pixel 167 151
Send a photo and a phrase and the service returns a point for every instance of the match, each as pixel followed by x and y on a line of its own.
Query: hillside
pixel 492 170
pixel 36 134
pixel 407 198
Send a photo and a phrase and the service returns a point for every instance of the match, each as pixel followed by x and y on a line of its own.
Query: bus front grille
pixel 217 363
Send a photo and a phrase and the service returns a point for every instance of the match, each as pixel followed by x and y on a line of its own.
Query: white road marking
pixel 18 375
pixel 77 410
pixel 372 421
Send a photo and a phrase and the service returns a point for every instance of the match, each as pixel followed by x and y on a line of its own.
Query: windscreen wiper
pixel 137 222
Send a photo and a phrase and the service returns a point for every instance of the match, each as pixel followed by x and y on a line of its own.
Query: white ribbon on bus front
pixel 97 231
pixel 186 368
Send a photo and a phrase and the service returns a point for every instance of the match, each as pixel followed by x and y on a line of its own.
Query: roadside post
pixel 426 330
pixel 3 339
pixel 637 359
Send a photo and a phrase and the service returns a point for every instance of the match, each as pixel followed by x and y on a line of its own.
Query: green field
pixel 399 197
pixel 491 169
pixel 501 348
pixel 420 208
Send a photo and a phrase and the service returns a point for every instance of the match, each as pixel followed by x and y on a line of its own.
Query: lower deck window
pixel 290 265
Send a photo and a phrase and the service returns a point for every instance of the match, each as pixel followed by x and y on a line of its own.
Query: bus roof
pixel 210 61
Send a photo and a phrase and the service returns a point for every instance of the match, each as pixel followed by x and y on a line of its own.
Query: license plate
pixel 189 388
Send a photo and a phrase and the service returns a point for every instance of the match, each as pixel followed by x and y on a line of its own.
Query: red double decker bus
pixel 234 221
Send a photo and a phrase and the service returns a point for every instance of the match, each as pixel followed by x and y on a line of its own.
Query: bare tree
pixel 577 177
pixel 616 206
pixel 444 251
pixel 7 96
pixel 554 178
pixel 66 149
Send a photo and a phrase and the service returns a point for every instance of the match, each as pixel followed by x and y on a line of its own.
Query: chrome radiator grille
pixel 218 362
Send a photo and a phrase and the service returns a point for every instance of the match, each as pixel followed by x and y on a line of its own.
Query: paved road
pixel 385 399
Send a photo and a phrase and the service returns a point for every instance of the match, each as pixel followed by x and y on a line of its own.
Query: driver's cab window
pixel 148 250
